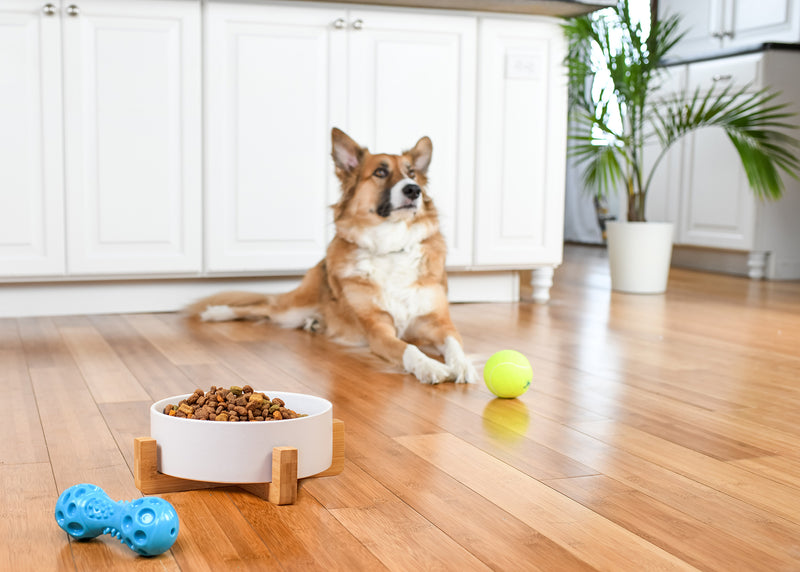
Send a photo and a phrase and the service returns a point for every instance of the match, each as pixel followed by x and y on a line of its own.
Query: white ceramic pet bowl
pixel 241 452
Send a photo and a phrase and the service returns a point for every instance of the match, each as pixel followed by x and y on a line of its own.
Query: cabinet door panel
pixel 132 88
pixel 521 144
pixel 766 20
pixel 31 183
pixel 701 20
pixel 413 75
pixel 718 206
pixel 269 169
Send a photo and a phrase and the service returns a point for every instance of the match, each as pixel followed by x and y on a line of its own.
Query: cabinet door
pixel 132 132
pixel 521 144
pixel 718 207
pixel 763 21
pixel 275 81
pixel 31 187
pixel 413 74
pixel 701 20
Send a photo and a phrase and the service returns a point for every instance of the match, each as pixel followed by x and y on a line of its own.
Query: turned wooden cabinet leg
pixel 757 265
pixel 541 282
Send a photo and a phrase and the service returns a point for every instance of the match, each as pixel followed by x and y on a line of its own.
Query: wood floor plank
pixel 495 536
pixel 699 544
pixel 179 349
pixel 747 523
pixel 156 373
pixel 592 538
pixel 23 440
pixel 27 522
pixel 108 378
pixel 305 536
pixel 739 483
pixel 127 421
pixel 214 535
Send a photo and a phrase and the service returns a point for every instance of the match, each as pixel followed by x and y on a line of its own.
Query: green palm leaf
pixel 613 124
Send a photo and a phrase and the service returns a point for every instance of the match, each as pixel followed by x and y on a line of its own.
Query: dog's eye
pixel 411 173
pixel 381 172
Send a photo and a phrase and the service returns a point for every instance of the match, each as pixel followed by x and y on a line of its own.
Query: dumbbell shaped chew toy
pixel 148 526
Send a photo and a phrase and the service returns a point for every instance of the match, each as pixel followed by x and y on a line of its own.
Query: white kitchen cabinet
pixel 132 133
pixel 116 190
pixel 718 206
pixel 521 141
pixel 31 144
pixel 712 25
pixel 279 76
pixel 727 227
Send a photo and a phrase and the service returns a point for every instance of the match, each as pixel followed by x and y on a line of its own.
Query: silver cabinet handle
pixel 339 23
pixel 49 9
pixel 722 77
pixel 73 10
pixel 358 24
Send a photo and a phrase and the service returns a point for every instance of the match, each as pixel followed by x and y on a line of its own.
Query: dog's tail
pixel 299 308
pixel 234 305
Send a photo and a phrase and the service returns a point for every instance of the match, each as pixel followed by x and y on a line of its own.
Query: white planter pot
pixel 639 255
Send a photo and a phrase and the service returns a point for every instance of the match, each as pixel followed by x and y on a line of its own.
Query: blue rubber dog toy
pixel 148 526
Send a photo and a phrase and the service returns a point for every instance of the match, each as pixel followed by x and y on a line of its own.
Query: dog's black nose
pixel 412 191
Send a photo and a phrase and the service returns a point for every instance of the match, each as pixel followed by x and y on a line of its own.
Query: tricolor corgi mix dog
pixel 382 281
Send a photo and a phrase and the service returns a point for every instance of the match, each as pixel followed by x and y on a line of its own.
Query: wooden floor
pixel 661 433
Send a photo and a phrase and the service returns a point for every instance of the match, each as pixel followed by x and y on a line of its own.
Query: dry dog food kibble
pixel 234 404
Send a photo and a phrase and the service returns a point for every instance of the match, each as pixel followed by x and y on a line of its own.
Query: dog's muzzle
pixel 403 195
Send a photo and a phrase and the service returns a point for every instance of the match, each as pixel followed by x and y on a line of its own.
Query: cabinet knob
pixel 722 77
pixel 73 10
pixel 49 9
pixel 358 24
pixel 339 23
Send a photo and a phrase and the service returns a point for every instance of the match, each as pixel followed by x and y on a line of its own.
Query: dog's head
pixel 380 188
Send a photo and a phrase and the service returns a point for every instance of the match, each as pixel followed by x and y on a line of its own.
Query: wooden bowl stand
pixel 282 490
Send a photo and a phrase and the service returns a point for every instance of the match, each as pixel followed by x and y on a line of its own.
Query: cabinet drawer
pixel 737 71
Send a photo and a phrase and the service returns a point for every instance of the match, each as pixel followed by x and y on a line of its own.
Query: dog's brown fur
pixel 383 278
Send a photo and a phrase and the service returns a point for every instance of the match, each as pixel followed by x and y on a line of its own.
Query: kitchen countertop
pixel 558 8
pixel 740 51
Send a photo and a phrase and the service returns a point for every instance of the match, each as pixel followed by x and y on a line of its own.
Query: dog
pixel 382 282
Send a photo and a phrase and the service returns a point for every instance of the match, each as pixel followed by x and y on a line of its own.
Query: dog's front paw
pixel 425 369
pixel 465 372
pixel 461 368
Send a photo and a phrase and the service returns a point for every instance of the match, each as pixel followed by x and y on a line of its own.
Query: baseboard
pixel 134 296
pixel 710 260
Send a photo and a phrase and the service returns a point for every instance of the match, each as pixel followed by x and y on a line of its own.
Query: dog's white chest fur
pixel 392 259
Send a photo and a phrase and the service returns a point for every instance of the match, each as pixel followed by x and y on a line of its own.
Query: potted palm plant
pixel 614 73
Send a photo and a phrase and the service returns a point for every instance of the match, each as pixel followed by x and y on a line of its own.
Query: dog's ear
pixel 421 155
pixel 346 153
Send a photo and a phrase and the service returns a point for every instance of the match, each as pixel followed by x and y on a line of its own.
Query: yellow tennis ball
pixel 508 373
